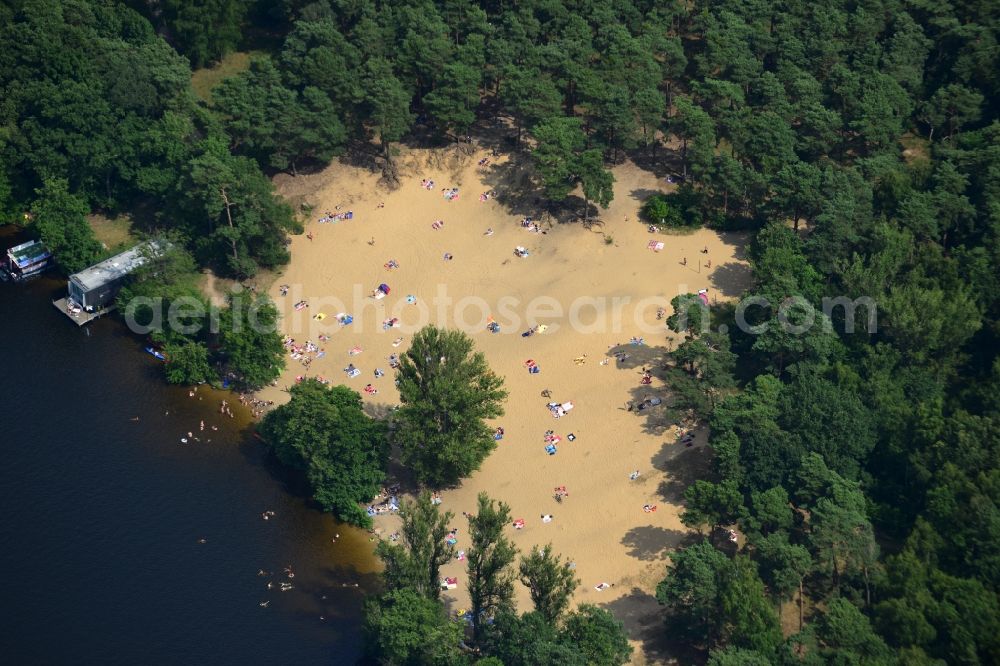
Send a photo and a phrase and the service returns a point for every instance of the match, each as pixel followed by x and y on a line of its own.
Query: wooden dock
pixel 82 317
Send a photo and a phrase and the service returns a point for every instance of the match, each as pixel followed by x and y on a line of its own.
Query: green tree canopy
pixel 447 391
pixel 711 504
pixel 404 628
pixel 599 636
pixel 415 562
pixel 550 581
pixel 490 556
pixel 251 345
pixel 558 142
pixel 59 217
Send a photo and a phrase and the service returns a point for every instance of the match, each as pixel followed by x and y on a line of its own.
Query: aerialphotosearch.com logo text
pixel 317 315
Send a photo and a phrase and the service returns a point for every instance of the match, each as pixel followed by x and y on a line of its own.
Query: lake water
pixel 102 516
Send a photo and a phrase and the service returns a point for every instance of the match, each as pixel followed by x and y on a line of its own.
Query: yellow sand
pixel 601 525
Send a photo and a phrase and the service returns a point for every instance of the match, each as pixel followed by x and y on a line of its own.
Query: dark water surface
pixel 101 516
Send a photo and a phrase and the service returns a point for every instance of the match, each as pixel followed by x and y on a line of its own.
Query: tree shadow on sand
pixel 378 410
pixel 519 193
pixel 643 618
pixel 636 358
pixel 682 466
pixel 650 543
pixel 662 162
pixel 515 187
pixel 731 279
pixel 641 194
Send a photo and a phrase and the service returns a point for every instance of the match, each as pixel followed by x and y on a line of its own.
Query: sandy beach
pixel 600 525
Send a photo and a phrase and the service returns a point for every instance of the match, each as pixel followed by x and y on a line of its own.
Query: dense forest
pixel 858 138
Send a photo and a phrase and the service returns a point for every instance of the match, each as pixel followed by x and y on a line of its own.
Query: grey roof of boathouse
pixel 113 268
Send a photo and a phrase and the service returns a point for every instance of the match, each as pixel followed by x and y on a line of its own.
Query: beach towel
pixel 655 246
pixel 602 586
pixel 320 317
pixel 354 351
pixel 353 373
pixel 519 524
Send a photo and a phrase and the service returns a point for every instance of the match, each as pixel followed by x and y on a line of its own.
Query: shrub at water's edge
pixel 325 433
